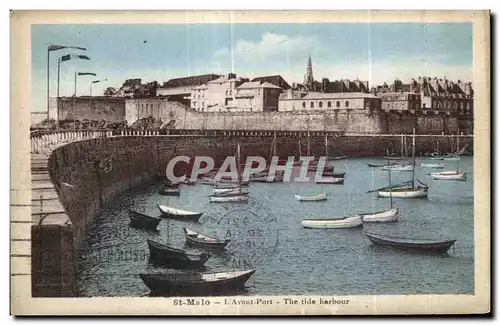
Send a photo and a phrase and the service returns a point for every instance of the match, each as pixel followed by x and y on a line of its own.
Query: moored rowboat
pixel 429 165
pixel 330 181
pixel 178 258
pixel 318 197
pixel 169 191
pixel 346 222
pixel 197 284
pixel 140 220
pixel 229 198
pixel 450 175
pixel 404 192
pixel 381 216
pixel 433 246
pixel 198 239
pixel 399 167
pixel 178 213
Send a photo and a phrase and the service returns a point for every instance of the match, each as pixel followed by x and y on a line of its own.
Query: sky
pixel 377 52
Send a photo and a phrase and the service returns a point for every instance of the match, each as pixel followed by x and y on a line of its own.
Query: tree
pixel 110 91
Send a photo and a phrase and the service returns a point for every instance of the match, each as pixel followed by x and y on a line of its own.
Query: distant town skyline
pixel 377 53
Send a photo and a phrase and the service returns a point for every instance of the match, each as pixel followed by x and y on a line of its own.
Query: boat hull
pixel 193 240
pixel 175 258
pixel 382 216
pixel 179 214
pixel 433 166
pixel 314 198
pixel 452 176
pixel 142 221
pixel 431 247
pixel 169 191
pixel 349 222
pixel 399 168
pixel 172 285
pixel 229 198
pixel 404 193
pixel 338 181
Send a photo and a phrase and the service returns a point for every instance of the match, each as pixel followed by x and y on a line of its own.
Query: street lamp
pixel 74 94
pixel 51 48
pixel 94 82
pixel 60 60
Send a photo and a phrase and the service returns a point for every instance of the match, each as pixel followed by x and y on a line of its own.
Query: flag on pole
pixel 68 57
pixel 60 47
pixel 87 74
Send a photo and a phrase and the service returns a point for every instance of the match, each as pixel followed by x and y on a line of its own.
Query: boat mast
pixel 390 185
pixel 238 161
pixel 274 144
pixel 413 155
pixel 326 147
pixel 402 147
pixel 308 143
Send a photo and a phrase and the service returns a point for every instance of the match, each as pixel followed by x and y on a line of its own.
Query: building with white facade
pixel 330 101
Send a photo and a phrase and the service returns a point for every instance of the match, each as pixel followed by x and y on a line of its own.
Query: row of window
pixel 329 104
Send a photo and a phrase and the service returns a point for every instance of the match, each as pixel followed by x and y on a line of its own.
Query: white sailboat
pixel 230 197
pixel 454 175
pixel 317 197
pixel 432 165
pixel 399 167
pixel 385 215
pixel 335 223
pixel 408 189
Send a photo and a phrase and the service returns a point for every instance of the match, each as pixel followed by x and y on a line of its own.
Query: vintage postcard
pixel 250 162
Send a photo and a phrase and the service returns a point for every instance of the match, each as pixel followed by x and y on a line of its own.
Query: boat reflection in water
pixel 195 284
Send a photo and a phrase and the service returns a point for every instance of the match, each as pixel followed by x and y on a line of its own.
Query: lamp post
pixel 74 94
pixel 51 48
pixel 94 82
pixel 62 59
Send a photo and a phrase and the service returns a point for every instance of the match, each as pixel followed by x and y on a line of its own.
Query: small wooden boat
pixel 436 158
pixel 330 181
pixel 187 181
pixel 393 158
pixel 265 179
pixel 381 165
pixel 140 220
pixel 326 169
pixel 432 246
pixel 178 213
pixel 337 158
pixel 317 197
pixel 399 167
pixel 169 191
pixel 404 192
pixel 381 216
pixel 205 284
pixel 198 239
pixel 229 198
pixel 228 181
pixel 432 165
pixel 451 157
pixel 174 257
pixel 450 175
pixel 207 181
pixel 346 222
pixel 334 175
pixel 226 191
pixel 229 186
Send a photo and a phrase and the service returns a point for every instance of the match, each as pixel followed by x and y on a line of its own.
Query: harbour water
pixel 266 234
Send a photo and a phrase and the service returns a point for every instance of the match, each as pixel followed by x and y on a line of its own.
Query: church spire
pixel 308 78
